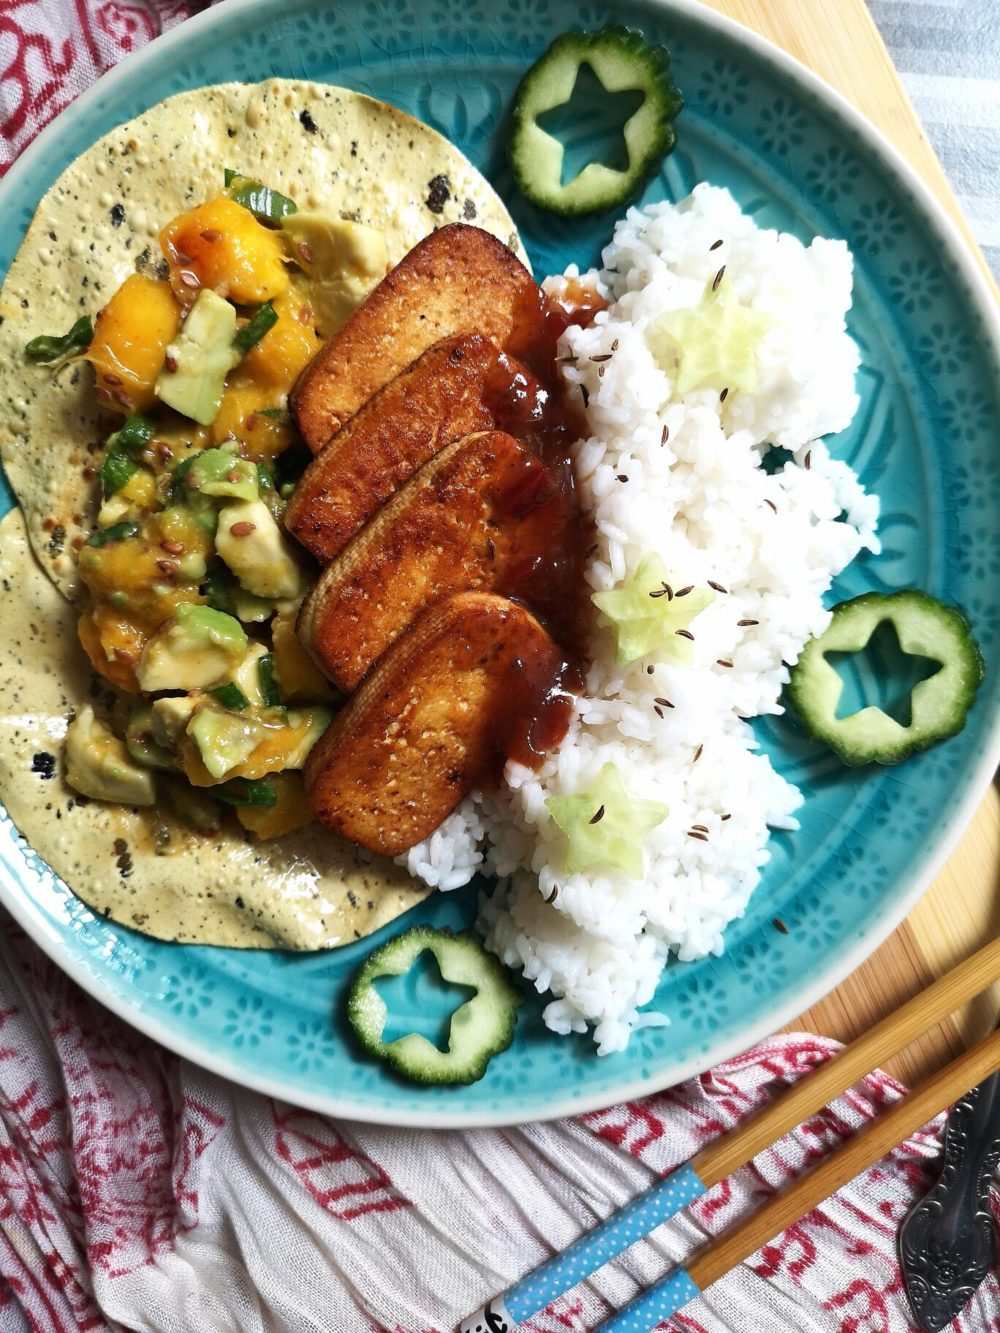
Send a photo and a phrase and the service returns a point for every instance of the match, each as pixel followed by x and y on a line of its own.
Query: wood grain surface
pixel 961 909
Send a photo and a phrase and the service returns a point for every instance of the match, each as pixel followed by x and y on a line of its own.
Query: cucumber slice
pixel 622 61
pixel 480 1028
pixel 939 704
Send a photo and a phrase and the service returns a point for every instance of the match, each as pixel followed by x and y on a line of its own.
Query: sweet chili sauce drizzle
pixel 530 402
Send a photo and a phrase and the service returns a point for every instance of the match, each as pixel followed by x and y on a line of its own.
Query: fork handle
pixel 946 1244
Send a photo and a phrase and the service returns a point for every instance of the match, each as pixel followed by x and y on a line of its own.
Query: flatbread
pixel 329 148
pixel 307 890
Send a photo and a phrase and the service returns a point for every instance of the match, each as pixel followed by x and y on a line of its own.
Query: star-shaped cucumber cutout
pixel 589 126
pixel 421 1000
pixel 605 826
pixel 881 675
pixel 650 613
pixel 714 343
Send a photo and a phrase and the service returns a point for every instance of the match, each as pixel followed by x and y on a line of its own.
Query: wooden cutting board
pixel 961 909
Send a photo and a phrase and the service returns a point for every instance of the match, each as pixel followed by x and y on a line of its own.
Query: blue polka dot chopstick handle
pixel 654 1305
pixel 592 1250
pixel 724 1155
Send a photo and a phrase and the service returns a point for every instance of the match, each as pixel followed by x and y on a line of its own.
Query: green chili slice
pixel 243 791
pixel 267 205
pixel 118 532
pixel 51 346
pixel 230 696
pixel 264 318
pixel 178 489
pixel 116 470
pixel 215 587
pixel 136 433
pixel 268 681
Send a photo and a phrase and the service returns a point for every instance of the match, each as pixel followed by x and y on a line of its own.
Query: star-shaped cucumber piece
pixel 605 826
pixel 714 342
pixel 652 614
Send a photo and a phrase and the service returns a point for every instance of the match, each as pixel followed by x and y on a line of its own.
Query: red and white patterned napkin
pixel 138 1192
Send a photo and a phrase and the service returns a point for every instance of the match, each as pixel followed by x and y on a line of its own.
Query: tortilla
pixel 307 890
pixel 332 150
pixel 329 148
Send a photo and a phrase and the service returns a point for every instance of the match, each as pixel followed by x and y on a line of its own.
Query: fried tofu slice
pixel 486 512
pixel 455 280
pixel 460 385
pixel 435 720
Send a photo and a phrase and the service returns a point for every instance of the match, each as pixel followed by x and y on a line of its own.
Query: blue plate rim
pixel 976 289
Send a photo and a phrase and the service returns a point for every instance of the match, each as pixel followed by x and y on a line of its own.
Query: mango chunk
pixel 222 245
pixel 287 347
pixel 290 811
pixel 131 336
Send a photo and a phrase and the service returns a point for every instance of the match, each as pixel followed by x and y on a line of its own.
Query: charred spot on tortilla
pixel 438 193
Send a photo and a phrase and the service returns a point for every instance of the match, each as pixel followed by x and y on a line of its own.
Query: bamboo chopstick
pixel 809 1190
pixel 942 997
pixel 713 1163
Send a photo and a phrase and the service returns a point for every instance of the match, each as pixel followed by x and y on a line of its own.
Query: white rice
pixel 705 504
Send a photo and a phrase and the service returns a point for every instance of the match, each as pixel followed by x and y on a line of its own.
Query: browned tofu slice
pixel 457 279
pixel 460 385
pixel 486 512
pixel 435 720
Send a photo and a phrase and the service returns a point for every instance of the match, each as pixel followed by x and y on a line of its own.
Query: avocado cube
pixel 256 550
pixel 344 261
pixel 195 648
pixel 99 765
pixel 194 373
pixel 222 473
pixel 224 740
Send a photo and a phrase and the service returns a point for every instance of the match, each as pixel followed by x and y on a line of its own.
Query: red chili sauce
pixel 532 405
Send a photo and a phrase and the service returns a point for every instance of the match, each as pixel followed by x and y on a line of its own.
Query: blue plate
pixel 796 157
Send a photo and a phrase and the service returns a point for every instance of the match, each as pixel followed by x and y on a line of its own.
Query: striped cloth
pixel 948 54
